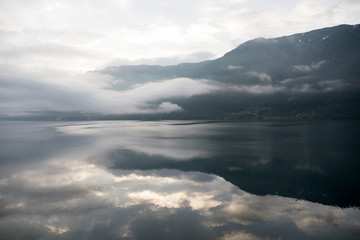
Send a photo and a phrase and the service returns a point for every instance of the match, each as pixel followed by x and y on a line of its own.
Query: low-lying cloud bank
pixel 92 92
pixel 23 93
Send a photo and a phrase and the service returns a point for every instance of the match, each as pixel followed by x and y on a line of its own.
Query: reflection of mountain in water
pixel 54 183
pixel 317 162
pixel 85 202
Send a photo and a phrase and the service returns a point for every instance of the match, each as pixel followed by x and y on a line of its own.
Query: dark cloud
pixel 184 223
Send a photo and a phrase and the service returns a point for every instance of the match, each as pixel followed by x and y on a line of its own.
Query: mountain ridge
pixel 258 55
pixel 311 75
pixel 318 72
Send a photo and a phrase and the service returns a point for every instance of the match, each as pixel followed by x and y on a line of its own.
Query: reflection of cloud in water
pixel 81 200
pixel 155 138
pixel 299 160
pixel 55 191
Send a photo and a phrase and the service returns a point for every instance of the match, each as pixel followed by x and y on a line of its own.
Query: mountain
pixel 312 75
pixel 307 75
pixel 329 53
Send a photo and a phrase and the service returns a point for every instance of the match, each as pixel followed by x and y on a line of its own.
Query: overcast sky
pixel 82 35
pixel 46 46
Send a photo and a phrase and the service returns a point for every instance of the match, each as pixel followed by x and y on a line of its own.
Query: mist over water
pixel 179 180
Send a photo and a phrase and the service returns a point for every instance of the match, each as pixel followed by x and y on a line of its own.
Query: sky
pixel 52 42
pixel 82 35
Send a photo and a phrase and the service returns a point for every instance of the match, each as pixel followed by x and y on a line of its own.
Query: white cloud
pixel 43 44
pixel 294 80
pixel 232 67
pixel 307 84
pixel 333 85
pixel 237 1
pixel 83 35
pixel 263 77
pixel 23 93
pixel 259 89
pixel 309 68
pixel 173 60
pixel 235 235
pixel 169 107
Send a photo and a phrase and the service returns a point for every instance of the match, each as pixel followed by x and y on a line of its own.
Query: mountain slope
pixel 329 53
pixel 312 75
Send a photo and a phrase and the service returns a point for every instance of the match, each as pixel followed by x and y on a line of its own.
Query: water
pixel 179 180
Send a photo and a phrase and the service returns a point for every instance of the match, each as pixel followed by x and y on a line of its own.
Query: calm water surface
pixel 179 180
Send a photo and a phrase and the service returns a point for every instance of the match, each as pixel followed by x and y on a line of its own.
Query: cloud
pixel 263 77
pixel 260 89
pixel 241 235
pixel 333 85
pixel 169 107
pixel 294 80
pixel 26 93
pixel 309 68
pixel 237 1
pixel 163 61
pixel 92 33
pixel 309 84
pixel 45 46
pixel 232 67
pixel 22 95
pixel 111 30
